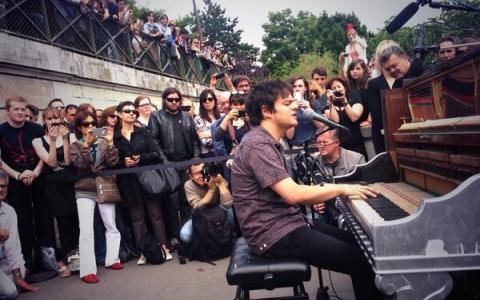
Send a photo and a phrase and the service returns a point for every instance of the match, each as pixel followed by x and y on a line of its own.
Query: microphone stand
pixel 310 163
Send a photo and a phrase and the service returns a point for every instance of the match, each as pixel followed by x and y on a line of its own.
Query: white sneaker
pixel 168 256
pixel 142 260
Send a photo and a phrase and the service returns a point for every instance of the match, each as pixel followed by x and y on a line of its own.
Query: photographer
pixel 206 186
pixel 345 107
pixel 229 131
pixel 333 161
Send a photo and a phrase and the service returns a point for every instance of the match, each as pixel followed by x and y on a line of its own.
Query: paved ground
pixel 171 280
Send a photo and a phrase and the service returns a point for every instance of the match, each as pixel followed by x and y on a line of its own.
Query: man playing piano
pixel 267 200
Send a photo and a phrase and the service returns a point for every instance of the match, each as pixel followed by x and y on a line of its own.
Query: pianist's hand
pixel 361 191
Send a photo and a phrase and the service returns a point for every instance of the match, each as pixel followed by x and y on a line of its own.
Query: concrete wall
pixel 40 72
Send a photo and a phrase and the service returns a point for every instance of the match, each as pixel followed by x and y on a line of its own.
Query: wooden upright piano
pixel 425 222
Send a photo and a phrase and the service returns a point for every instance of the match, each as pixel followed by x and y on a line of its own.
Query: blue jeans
pixel 186 233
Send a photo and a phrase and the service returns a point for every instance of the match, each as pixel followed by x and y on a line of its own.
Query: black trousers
pixel 329 248
pixel 35 222
pixel 69 233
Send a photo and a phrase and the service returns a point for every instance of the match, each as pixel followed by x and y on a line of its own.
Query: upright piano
pixel 425 223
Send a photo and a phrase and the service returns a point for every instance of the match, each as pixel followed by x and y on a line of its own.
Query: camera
pixel 211 169
pixel 242 113
pixel 220 75
pixel 338 93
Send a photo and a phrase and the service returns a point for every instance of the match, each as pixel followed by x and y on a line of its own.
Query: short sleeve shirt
pixel 16 145
pixel 264 217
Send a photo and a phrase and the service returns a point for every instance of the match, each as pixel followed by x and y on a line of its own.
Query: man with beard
pixel 174 131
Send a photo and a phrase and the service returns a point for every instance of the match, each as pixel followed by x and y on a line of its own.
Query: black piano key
pixel 387 209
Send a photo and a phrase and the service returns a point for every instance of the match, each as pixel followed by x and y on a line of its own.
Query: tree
pixel 289 38
pixel 218 28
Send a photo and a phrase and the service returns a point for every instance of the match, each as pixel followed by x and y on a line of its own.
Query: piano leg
pixel 429 286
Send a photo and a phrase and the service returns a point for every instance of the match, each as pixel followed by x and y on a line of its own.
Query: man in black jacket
pixel 396 65
pixel 174 131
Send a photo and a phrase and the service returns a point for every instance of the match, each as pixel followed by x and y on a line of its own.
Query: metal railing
pixel 63 24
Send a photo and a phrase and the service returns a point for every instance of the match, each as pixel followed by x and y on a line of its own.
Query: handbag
pixel 159 181
pixel 107 190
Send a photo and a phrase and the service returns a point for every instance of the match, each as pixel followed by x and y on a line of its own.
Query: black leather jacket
pixel 161 130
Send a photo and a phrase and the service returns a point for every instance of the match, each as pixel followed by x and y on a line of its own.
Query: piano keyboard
pixel 394 201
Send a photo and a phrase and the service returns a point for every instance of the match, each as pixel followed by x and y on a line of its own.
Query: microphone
pixel 311 115
pixel 403 17
pixel 419 49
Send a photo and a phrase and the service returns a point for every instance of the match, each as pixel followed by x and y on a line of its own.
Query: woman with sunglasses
pixel 209 113
pixel 54 150
pixel 137 148
pixel 108 117
pixel 90 153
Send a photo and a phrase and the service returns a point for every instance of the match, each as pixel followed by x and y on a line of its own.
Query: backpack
pixel 212 234
pixel 152 250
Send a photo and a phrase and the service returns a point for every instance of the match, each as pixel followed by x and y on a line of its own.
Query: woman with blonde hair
pixel 54 150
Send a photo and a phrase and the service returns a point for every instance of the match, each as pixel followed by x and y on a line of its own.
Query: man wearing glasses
pixel 334 161
pixel 174 131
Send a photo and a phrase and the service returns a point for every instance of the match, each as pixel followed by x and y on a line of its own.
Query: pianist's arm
pixel 295 194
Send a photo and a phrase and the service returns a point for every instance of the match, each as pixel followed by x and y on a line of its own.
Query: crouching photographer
pixel 206 188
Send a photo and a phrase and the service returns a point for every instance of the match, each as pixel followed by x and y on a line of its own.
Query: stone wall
pixel 40 72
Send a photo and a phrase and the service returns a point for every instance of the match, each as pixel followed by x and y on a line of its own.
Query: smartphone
pixel 297 96
pixel 220 75
pixel 99 132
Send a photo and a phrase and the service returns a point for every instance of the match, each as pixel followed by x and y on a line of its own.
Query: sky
pixel 253 13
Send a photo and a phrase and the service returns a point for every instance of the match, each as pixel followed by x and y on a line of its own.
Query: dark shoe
pixel 174 244
pixel 90 278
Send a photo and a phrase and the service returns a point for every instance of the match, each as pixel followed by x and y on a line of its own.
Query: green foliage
pixel 290 37
pixel 309 61
pixel 404 36
pixel 218 28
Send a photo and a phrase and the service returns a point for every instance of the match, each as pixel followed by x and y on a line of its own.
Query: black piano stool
pixel 250 272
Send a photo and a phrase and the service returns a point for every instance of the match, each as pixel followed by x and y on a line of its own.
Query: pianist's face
pixel 285 112
pixel 397 66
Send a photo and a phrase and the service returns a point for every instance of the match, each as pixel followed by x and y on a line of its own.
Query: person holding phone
pixel 345 107
pixel 54 150
pixel 356 48
pixel 306 128
pixel 90 153
pixel 229 131
pixel 136 147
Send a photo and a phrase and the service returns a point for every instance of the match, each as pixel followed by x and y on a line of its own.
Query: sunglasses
pixel 208 99
pixel 88 124
pixel 113 117
pixel 174 99
pixel 129 111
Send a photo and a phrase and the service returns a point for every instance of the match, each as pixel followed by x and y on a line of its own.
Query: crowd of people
pixel 45 163
pixel 153 33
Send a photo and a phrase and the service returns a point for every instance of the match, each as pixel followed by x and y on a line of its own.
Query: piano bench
pixel 250 272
